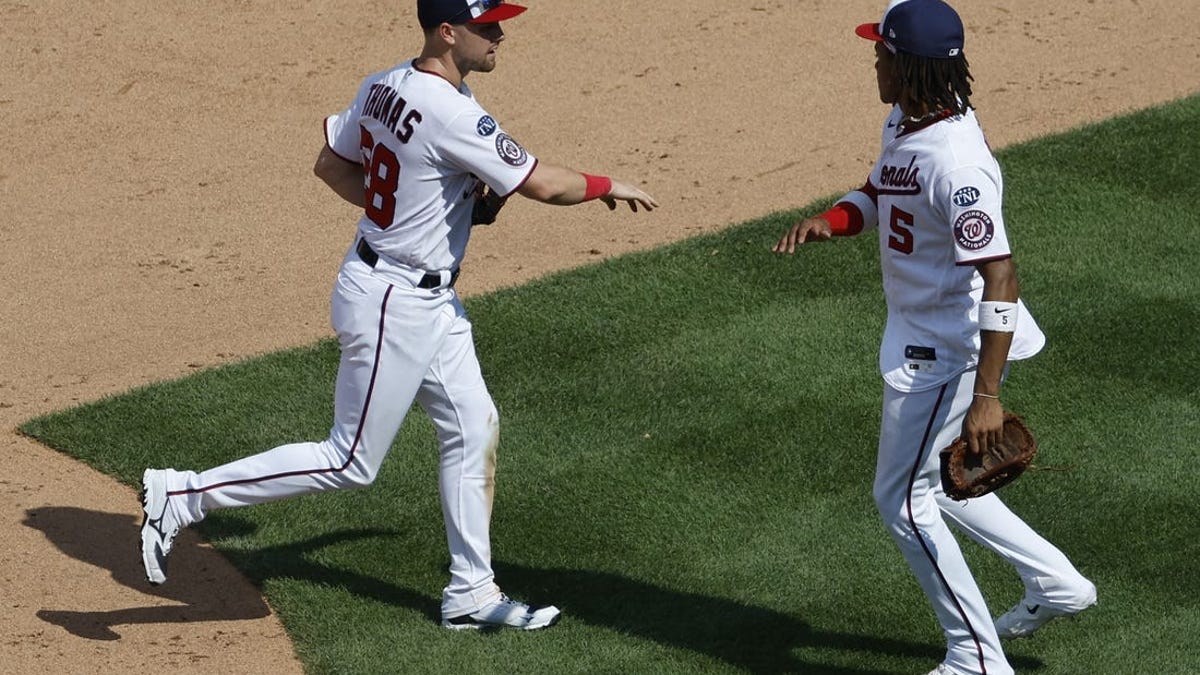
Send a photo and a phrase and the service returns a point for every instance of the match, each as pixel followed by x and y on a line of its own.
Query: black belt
pixel 429 281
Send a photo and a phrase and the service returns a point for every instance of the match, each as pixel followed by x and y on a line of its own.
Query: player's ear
pixel 446 32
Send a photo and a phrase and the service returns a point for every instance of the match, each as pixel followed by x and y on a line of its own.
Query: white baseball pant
pixel 908 493
pixel 399 343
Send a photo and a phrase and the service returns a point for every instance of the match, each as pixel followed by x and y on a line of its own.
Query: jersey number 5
pixel 901 238
pixel 381 175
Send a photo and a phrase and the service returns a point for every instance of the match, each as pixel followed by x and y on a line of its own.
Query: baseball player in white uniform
pixel 415 150
pixel 954 323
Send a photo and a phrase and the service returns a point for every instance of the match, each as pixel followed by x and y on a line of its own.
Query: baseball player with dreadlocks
pixel 954 323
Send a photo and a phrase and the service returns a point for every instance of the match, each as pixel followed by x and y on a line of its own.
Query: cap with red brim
pixel 869 31
pixel 499 13
pixel 431 13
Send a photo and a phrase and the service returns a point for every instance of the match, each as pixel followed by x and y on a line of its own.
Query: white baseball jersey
pixel 935 194
pixel 424 145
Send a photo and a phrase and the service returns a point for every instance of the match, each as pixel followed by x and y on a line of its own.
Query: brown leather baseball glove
pixel 965 475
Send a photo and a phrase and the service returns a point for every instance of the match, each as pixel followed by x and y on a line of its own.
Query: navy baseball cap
pixel 929 28
pixel 437 12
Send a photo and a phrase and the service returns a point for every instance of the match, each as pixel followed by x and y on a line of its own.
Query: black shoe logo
pixel 1033 609
pixel 156 525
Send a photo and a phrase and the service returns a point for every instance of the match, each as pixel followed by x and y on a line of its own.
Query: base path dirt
pixel 160 215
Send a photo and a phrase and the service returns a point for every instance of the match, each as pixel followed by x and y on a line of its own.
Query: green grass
pixel 688 442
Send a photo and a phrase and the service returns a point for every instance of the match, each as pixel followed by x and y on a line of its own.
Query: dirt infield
pixel 160 215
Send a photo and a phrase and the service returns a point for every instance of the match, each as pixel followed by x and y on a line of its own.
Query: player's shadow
pixel 752 638
pixel 208 589
pixel 746 636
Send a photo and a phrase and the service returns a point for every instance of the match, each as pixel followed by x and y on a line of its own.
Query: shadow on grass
pixel 753 638
pixel 757 639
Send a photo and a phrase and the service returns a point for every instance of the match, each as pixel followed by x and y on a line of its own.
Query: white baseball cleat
pixel 506 613
pixel 159 525
pixel 1030 614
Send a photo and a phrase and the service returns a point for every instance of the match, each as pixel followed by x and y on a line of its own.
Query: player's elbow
pixel 551 184
pixel 1000 279
pixel 330 168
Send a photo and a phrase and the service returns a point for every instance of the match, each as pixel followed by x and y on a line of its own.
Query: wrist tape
pixel 596 187
pixel 1000 317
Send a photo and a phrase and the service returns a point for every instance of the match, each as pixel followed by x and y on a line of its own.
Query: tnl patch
pixel 486 126
pixel 965 197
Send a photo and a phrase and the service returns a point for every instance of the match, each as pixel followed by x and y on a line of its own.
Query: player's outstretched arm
pixel 848 217
pixel 559 185
pixel 851 215
pixel 809 229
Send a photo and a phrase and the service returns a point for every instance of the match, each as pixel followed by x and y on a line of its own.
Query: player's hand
pixel 983 425
pixel 624 192
pixel 809 229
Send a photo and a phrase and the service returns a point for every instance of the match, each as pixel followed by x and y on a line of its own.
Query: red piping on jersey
pixel 845 218
pixel 982 261
pixel 362 421
pixel 523 180
pixel 912 478
pixel 325 132
pixel 906 130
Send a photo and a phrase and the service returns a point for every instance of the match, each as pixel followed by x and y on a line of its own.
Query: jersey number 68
pixel 381 174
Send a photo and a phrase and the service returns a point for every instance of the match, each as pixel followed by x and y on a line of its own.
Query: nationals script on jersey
pixel 424 146
pixel 936 200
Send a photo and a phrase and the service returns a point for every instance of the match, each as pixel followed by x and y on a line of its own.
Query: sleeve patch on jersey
pixel 966 197
pixel 486 126
pixel 510 150
pixel 974 230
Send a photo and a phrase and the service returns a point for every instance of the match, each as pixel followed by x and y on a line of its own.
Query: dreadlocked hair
pixel 935 83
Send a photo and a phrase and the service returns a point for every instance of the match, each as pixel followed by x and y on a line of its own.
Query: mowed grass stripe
pixel 688 441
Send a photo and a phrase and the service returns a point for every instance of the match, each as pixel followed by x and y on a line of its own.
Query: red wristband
pixel 844 219
pixel 597 186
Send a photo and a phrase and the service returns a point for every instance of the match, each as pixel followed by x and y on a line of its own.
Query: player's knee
pixel 484 436
pixel 886 496
pixel 891 507
pixel 481 427
pixel 354 472
pixel 358 476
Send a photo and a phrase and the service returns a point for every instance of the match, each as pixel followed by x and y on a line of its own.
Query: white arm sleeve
pixel 865 204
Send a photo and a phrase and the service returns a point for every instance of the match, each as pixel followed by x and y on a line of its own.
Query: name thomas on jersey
pixel 386 105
